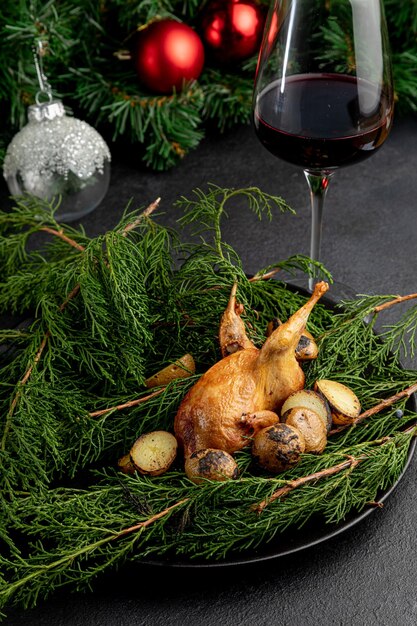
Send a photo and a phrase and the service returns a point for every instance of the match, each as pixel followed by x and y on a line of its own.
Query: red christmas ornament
pixel 167 54
pixel 232 29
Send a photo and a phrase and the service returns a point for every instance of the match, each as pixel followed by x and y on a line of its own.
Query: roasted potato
pixel 309 400
pixel 211 464
pixel 278 447
pixel 306 350
pixel 183 368
pixel 125 465
pixel 154 452
pixel 344 404
pixel 311 426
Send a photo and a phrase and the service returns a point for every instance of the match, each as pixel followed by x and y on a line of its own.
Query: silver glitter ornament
pixel 57 155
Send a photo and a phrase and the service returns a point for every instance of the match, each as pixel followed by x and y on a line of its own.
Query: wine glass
pixel 323 94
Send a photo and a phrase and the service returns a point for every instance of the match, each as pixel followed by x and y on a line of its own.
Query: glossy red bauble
pixel 167 54
pixel 232 29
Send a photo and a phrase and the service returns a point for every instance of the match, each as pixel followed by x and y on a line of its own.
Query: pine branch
pixel 81 38
pixel 405 80
pixel 206 208
pixel 146 213
pixel 169 126
pixel 227 98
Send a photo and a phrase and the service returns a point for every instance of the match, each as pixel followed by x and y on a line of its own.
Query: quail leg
pixel 232 333
pixel 254 422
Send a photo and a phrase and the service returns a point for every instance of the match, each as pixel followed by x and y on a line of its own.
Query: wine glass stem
pixel 318 183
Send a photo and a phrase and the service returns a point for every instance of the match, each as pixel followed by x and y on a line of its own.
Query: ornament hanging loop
pixel 45 90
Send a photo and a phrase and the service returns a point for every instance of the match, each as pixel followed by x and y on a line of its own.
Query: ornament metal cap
pixel 46 111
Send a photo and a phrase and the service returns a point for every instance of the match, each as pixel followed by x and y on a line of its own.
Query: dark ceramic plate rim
pixel 270 550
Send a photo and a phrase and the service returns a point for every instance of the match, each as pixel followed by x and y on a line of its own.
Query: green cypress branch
pixel 109 527
pixel 146 298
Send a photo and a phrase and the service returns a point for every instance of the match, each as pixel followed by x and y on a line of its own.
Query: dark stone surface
pixel 366 575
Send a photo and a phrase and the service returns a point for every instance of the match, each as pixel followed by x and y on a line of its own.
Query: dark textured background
pixel 367 575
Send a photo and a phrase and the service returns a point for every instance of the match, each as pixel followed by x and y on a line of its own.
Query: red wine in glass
pixel 316 104
pixel 321 129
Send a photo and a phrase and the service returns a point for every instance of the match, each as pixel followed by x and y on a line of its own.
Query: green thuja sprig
pixel 107 527
pixel 106 312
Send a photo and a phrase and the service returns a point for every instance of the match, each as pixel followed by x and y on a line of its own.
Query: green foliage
pixel 83 42
pixel 103 314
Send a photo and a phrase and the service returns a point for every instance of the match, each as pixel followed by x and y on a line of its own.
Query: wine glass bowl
pixel 323 94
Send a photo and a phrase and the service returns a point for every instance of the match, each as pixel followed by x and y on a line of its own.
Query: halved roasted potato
pixel 125 464
pixel 309 400
pixel 182 368
pixel 154 452
pixel 344 404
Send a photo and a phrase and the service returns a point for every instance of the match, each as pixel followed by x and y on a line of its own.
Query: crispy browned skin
pixel 241 392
